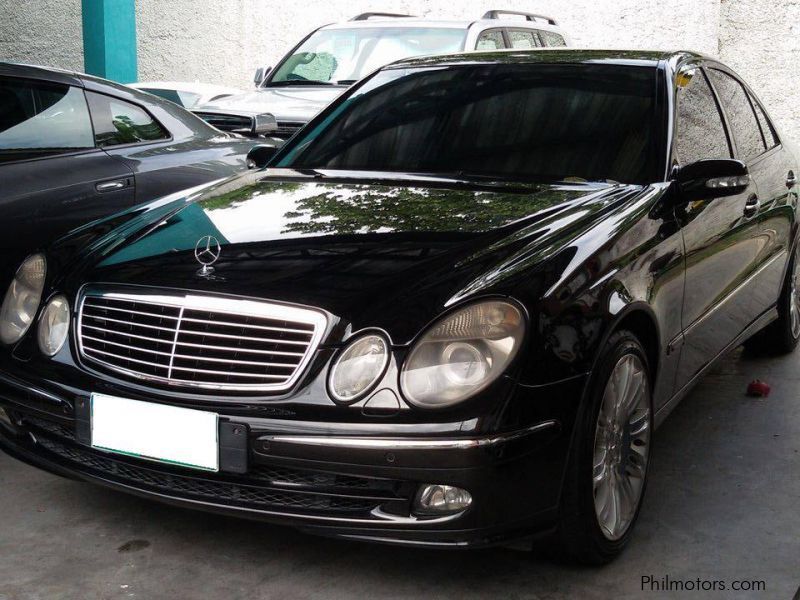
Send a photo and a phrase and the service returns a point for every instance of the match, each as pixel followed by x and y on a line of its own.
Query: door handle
pixel 110 186
pixel 751 206
pixel 791 180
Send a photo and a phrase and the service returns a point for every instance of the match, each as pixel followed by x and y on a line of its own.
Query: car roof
pixel 550 55
pixel 12 69
pixel 442 24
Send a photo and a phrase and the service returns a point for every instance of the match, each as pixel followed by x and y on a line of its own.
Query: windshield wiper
pixel 290 82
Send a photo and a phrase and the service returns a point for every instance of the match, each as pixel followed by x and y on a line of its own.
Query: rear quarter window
pixel 117 122
pixel 551 38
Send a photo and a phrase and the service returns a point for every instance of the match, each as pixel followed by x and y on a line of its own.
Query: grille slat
pixel 130 324
pixel 127 311
pixel 134 348
pixel 305 332
pixel 247 350
pixel 197 341
pixel 128 335
pixel 287 128
pixel 227 122
pixel 240 337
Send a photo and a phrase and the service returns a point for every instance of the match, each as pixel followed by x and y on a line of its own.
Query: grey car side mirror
pixel 260 155
pixel 261 74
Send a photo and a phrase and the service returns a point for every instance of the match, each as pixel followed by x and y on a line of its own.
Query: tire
pixel 609 462
pixel 782 335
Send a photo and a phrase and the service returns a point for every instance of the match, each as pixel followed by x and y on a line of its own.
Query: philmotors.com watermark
pixel 651 583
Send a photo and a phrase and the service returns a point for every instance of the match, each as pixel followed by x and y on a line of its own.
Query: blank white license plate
pixel 169 434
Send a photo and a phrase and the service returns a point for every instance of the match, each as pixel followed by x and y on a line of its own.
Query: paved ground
pixel 723 504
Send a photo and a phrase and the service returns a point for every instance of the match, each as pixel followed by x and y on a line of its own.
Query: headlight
pixel 54 325
pixel 358 368
pixel 462 354
pixel 22 299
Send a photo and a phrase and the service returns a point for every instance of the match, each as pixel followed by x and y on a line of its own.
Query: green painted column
pixel 109 39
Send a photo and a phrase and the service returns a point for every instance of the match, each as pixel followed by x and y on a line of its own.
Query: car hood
pixel 371 253
pixel 285 103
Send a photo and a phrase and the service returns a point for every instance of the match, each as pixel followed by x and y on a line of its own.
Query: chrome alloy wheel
pixel 621 446
pixel 794 299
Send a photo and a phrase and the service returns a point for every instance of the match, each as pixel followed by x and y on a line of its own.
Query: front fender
pixel 629 263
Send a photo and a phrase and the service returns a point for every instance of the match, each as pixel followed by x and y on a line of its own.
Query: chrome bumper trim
pixel 376 443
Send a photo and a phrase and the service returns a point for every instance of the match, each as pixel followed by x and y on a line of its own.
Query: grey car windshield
pixel 535 122
pixel 347 55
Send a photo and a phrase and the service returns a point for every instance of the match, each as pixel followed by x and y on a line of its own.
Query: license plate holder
pixel 156 432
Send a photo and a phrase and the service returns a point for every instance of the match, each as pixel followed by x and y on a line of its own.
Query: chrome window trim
pixel 226 305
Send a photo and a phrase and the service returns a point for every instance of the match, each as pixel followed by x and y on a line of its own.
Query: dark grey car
pixel 74 148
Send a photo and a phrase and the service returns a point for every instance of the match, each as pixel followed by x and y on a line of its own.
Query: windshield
pixel 347 55
pixel 530 122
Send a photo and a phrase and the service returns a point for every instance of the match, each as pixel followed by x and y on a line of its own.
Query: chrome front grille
pixel 198 341
pixel 287 129
pixel 234 123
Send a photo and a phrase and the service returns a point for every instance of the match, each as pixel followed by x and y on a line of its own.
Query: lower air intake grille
pixel 212 490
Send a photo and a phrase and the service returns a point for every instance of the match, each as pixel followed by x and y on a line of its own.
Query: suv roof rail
pixel 495 14
pixel 368 15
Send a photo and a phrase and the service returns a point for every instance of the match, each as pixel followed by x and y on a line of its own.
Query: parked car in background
pixel 334 57
pixel 451 312
pixel 185 94
pixel 74 148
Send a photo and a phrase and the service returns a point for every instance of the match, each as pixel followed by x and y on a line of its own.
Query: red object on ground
pixel 758 388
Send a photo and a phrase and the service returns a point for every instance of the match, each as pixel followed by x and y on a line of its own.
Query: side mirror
pixel 264 123
pixel 260 155
pixel 261 74
pixel 713 178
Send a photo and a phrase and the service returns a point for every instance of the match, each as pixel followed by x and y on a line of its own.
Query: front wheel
pixel 608 467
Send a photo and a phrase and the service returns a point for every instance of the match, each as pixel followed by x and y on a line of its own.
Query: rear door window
pixel 117 122
pixel 523 39
pixel 41 118
pixel 770 137
pixel 741 116
pixel 700 133
pixel 491 39
pixel 552 39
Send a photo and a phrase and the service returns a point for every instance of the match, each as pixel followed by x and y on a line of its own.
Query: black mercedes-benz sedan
pixel 451 312
pixel 74 148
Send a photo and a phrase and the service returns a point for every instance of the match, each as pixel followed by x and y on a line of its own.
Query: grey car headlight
pixel 358 368
pixel 463 353
pixel 22 299
pixel 54 325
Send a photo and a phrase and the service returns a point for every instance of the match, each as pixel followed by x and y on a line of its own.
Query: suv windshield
pixel 346 55
pixel 529 122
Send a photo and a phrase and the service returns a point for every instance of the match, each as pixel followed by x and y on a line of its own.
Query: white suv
pixel 335 56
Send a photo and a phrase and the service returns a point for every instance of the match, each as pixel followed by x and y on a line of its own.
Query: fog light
pixel 437 499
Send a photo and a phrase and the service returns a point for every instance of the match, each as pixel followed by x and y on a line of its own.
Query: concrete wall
pixel 42 32
pixel 760 40
pixel 177 43
pixel 223 41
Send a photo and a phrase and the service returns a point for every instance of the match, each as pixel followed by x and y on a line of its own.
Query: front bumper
pixel 341 483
